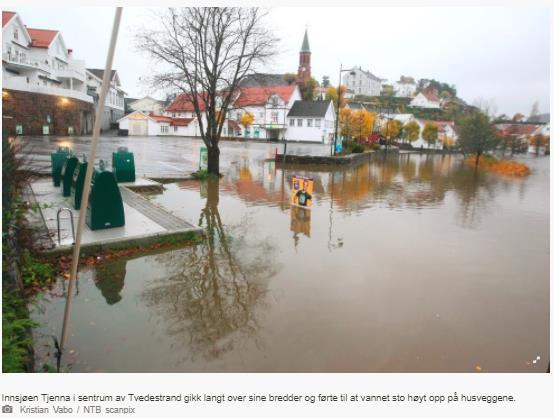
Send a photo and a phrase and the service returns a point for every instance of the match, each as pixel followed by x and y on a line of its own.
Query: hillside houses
pixel 427 98
pixel 405 87
pixel 362 82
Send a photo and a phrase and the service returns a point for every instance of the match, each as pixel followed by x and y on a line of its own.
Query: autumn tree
pixel 476 135
pixel 308 89
pixel 518 117
pixel 289 78
pixel 391 129
pixel 430 133
pixel 346 122
pixel 539 141
pixel 333 95
pixel 205 53
pixel 411 131
pixel 362 123
pixel 247 119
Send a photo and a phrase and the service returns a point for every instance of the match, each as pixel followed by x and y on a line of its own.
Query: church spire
pixel 305 43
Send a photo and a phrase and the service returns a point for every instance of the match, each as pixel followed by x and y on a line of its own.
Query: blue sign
pixel 338 144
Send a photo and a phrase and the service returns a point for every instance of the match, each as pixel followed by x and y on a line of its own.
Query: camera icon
pixel 7 409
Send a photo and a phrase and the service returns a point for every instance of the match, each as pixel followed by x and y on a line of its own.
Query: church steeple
pixel 305 43
pixel 304 66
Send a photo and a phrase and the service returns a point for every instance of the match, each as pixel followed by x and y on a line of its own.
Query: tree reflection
pixel 213 289
pixel 110 279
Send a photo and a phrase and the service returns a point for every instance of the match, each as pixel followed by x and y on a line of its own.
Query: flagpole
pixel 106 81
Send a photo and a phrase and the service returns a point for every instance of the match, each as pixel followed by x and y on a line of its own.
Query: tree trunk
pixel 477 159
pixel 213 160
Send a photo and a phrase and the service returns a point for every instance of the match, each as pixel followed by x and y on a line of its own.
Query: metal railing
pixel 60 210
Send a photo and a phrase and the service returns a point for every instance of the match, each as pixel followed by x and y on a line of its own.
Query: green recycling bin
pixel 78 183
pixel 123 164
pixel 68 168
pixel 105 205
pixel 57 158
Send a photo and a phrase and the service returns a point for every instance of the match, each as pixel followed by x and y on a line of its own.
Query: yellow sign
pixel 302 191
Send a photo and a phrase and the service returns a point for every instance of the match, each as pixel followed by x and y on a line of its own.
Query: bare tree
pixel 534 109
pixel 487 106
pixel 207 52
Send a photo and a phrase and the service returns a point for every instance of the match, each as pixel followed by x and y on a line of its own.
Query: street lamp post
pixel 351 70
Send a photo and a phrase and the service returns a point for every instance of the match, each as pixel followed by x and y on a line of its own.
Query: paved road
pixel 158 156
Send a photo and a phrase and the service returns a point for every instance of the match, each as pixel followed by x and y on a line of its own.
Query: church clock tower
pixel 304 67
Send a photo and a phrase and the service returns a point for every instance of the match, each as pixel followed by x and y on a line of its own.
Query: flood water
pixel 413 263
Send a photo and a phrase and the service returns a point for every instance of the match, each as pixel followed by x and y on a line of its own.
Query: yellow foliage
pixel 506 167
pixel 247 119
pixel 362 123
pixel 346 122
pixel 391 129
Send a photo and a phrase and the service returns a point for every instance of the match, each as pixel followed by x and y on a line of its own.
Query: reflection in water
pixel 406 263
pixel 212 289
pixel 300 222
pixel 110 279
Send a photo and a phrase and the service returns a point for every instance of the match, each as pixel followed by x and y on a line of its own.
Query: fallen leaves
pixel 505 167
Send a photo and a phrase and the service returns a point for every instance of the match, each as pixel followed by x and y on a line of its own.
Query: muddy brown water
pixel 407 264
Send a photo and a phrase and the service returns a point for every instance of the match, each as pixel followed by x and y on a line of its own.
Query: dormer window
pixel 274 100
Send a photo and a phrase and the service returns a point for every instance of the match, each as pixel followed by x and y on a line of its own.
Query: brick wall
pixel 31 110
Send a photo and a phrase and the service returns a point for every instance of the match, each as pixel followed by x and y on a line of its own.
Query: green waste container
pixel 68 167
pixel 123 164
pixel 57 158
pixel 105 205
pixel 78 183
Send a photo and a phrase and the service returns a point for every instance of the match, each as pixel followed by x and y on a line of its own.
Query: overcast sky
pixel 501 54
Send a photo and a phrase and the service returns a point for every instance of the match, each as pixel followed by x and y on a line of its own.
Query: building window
pixel 16 34
pixel 310 123
pixel 299 123
pixel 164 129
pixel 274 117
pixel 291 122
pixel 175 129
pixel 318 123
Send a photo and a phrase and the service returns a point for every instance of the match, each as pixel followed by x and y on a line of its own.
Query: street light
pixel 351 70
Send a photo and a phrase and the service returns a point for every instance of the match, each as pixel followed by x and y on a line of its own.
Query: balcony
pixel 21 84
pixel 24 63
pixel 70 73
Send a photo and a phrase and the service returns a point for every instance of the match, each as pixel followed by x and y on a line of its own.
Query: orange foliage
pixel 506 167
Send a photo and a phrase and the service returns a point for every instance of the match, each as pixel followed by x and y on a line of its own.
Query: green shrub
pixel 204 175
pixel 35 272
pixel 16 340
pixel 357 149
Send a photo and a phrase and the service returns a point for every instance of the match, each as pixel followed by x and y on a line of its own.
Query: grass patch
pixel 505 167
pixel 204 175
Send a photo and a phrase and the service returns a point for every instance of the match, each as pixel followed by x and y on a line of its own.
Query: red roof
pixel 181 121
pixel 41 38
pixel 252 96
pixel 516 129
pixel 160 118
pixel 6 17
pixel 432 97
pixel 183 103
